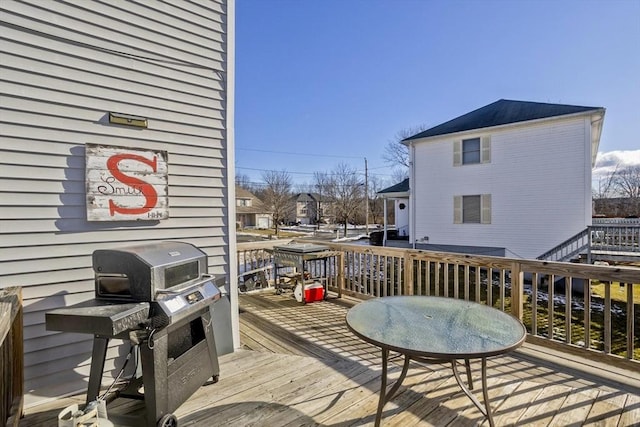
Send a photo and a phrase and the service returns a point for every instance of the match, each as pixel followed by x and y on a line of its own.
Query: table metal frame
pixel 299 260
pixel 385 397
pixel 430 357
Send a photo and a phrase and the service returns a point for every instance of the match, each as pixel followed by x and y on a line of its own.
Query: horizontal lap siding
pixel 536 179
pixel 547 206
pixel 63 67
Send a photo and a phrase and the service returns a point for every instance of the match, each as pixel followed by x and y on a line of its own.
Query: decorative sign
pixel 125 184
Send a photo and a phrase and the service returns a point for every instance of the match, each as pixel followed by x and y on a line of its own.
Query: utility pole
pixel 366 198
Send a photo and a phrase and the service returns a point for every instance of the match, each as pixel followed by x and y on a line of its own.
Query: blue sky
pixel 324 82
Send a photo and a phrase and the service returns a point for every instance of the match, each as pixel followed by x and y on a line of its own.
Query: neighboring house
pixel 399 194
pixel 87 77
pixel 250 211
pixel 310 208
pixel 512 178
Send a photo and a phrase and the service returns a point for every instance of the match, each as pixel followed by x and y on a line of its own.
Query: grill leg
pixel 97 367
pixel 154 376
pixel 207 323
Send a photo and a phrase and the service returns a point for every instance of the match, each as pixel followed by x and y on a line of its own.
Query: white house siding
pixel 402 217
pixel 63 67
pixel 537 180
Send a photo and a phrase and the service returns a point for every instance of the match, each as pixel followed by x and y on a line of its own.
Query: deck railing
pixel 573 306
pixel 607 240
pixel 615 221
pixel 570 249
pixel 615 239
pixel 11 356
pixel 255 258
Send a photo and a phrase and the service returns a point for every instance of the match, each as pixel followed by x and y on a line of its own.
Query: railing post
pixel 607 318
pixel 408 274
pixel 630 320
pixel 11 356
pixel 587 313
pixel 589 244
pixel 517 290
pixel 340 273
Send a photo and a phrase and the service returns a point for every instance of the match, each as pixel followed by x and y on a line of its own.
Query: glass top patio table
pixel 438 327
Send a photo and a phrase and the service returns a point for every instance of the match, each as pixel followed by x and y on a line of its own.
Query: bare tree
pixel 243 181
pixel 320 185
pixel 618 192
pixel 627 182
pixel 276 195
pixel 606 185
pixel 346 193
pixel 396 154
pixel 376 203
pixel 399 175
pixel 302 187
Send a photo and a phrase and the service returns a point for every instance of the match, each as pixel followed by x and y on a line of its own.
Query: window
pixel 474 209
pixel 471 209
pixel 243 202
pixel 472 151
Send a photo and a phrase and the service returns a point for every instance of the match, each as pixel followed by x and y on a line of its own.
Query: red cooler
pixel 312 292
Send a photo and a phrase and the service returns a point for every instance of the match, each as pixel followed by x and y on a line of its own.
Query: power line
pixel 304 185
pixel 306 173
pixel 339 156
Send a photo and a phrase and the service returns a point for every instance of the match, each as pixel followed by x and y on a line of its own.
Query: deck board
pixel 300 366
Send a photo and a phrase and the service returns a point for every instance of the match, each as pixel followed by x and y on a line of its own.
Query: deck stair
pixel 604 242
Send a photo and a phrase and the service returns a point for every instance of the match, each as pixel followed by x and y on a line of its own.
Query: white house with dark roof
pixel 399 195
pixel 512 178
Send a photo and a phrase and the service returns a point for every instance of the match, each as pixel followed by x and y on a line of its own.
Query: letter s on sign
pixel 146 189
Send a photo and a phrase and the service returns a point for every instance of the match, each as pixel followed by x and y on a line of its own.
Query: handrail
pixel 615 221
pixel 612 239
pixel 11 356
pixel 570 248
pixel 256 256
pixel 563 303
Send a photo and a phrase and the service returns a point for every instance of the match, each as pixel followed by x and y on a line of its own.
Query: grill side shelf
pixel 98 318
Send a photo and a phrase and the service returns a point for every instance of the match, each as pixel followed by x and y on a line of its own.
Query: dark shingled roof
pixel 305 197
pixel 257 206
pixel 501 112
pixel 400 187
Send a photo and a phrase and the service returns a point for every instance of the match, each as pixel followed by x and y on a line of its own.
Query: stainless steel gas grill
pixel 159 297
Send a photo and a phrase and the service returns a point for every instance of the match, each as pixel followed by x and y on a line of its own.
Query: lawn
pixel 270 233
pixel 618 293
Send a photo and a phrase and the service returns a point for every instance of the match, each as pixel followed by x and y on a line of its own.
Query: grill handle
pixel 179 289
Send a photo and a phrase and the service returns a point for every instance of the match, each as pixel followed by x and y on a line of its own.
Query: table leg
pixel 486 409
pixel 485 392
pixel 384 396
pixel 467 364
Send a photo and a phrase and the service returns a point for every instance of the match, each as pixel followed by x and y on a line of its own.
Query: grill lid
pixel 137 273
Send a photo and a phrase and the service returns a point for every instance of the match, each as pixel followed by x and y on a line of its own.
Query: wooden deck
pixel 300 366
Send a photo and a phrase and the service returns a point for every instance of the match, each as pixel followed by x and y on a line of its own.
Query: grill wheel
pixel 168 420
